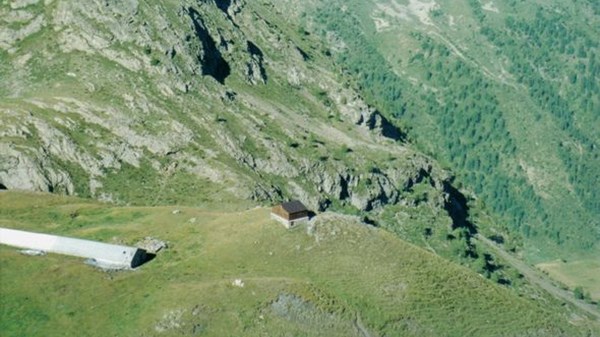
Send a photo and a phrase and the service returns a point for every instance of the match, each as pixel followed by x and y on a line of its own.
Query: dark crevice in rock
pixel 373 120
pixel 388 130
pixel 457 208
pixel 212 62
pixel 254 50
pixel 379 201
pixel 2 187
pixel 255 72
pixel 304 55
pixel 497 238
pixel 344 194
pixel 370 221
pixel 223 5
pixel 323 205
pixel 361 120
pixel 422 175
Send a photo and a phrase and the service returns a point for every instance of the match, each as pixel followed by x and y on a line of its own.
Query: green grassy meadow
pixel 343 277
pixel 584 273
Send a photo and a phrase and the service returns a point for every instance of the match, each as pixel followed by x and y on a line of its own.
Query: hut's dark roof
pixel 294 206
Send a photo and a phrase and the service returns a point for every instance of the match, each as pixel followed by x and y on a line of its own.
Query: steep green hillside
pixel 188 102
pixel 504 92
pixel 197 103
pixel 336 277
pixel 366 108
pixel 149 104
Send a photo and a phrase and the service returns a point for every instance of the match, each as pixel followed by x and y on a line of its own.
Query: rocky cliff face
pixel 212 93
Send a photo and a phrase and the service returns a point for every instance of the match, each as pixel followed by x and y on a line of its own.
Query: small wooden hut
pixel 290 213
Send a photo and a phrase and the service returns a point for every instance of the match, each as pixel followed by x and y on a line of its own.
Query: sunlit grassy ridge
pixel 344 275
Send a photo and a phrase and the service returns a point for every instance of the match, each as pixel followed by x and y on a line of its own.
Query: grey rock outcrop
pixel 152 245
pixel 31 172
pixel 255 70
pixel 136 101
pixel 211 59
pixel 360 113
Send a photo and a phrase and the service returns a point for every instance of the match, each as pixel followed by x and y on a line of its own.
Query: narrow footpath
pixel 538 278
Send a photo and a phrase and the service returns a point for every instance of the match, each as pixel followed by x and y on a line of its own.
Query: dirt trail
pixel 360 327
pixel 538 278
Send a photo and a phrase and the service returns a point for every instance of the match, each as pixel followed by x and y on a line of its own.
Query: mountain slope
pixel 230 104
pixel 341 278
pixel 505 93
pixel 105 98
pixel 196 103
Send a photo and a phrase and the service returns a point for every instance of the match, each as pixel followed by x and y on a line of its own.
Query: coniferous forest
pixel 487 125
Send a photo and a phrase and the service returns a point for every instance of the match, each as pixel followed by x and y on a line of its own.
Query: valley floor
pixel 536 277
pixel 581 272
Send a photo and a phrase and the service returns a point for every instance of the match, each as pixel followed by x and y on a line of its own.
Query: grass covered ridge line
pixel 342 273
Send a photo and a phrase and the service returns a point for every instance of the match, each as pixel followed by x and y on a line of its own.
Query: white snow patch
pixel 32 252
pixel 381 25
pixel 490 7
pixel 418 9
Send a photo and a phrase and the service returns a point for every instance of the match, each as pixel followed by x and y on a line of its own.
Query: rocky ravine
pixel 218 91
